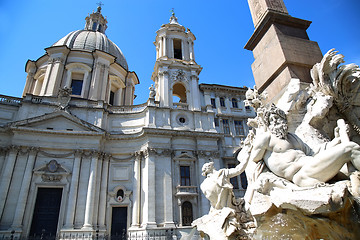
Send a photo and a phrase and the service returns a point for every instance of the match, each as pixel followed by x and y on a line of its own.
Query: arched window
pixel 177 49
pixel 187 214
pixel 179 92
pixel 120 195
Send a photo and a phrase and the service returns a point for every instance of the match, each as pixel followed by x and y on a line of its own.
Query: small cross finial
pixel 172 12
pixel 100 4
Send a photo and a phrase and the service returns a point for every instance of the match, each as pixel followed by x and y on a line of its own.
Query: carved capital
pixel 56 60
pixel 78 152
pixel 163 73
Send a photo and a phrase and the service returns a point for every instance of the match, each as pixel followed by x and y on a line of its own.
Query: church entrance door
pixel 46 213
pixel 119 223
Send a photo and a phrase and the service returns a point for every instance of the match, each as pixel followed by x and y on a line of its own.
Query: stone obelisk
pixel 281 47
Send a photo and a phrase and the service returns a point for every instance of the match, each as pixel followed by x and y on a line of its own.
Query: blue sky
pixel 222 29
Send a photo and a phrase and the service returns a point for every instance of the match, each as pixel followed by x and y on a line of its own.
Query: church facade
pixel 79 160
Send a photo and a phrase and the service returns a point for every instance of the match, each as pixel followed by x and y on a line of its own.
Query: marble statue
pixel 288 157
pixel 227 217
pixel 152 92
pixel 295 170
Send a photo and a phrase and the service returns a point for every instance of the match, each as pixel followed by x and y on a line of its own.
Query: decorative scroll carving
pixel 64 98
pixel 208 154
pixel 179 76
pixel 51 178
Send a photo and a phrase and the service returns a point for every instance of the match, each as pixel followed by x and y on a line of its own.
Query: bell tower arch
pixel 175 71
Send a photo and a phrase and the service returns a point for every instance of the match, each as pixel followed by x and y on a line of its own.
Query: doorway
pixel 46 213
pixel 119 223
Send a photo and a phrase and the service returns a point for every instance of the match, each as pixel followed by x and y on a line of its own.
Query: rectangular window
pixel 216 121
pixel 77 83
pixel 76 86
pixel 247 108
pixel 213 103
pixel 184 175
pixel 177 49
pixel 234 180
pixel 112 97
pixel 222 102
pixel 239 129
pixel 226 127
pixel 234 103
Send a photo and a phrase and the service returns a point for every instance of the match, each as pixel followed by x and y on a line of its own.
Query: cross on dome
pixel 100 4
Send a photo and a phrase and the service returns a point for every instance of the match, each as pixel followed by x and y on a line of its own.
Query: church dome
pixel 91 40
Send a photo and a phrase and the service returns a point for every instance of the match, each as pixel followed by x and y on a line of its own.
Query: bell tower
pixel 281 47
pixel 175 71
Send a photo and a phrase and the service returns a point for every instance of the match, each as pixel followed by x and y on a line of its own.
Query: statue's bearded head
pixel 275 120
pixel 207 168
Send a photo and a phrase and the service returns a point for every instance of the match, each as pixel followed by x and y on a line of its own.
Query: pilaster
pixel 149 189
pixel 135 223
pixel 24 190
pixel 72 199
pixel 8 169
pixel 164 88
pixel 90 198
pixel 103 192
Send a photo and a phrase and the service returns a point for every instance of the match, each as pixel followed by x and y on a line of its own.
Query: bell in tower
pixel 176 72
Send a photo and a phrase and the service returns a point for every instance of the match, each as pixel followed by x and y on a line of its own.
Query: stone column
pixel 70 213
pixel 24 190
pixel 171 48
pixel 192 51
pixel 161 47
pixel 7 174
pixel 149 208
pixel 56 74
pixel 136 191
pixel 117 98
pixel 103 192
pixel 164 46
pixel 183 50
pixel 95 81
pixel 218 106
pixel 90 198
pixel 168 189
pixel 164 85
pixel 195 92
pixel 29 86
pixel 180 212
pixel 228 104
pixel 105 90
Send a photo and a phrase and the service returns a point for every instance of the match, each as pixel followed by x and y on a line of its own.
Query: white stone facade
pixel 100 153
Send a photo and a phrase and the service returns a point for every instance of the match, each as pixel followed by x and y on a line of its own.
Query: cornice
pixel 183 133
pixel 268 20
pixel 58 132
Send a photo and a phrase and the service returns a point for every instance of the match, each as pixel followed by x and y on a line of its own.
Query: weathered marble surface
pixel 303 175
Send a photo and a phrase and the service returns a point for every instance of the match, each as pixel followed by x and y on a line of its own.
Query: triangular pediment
pixel 58 121
pixel 184 156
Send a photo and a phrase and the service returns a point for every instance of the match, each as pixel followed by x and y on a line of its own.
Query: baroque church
pixel 78 160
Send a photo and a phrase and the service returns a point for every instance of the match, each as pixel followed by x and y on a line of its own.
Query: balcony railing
pixel 10 100
pixel 180 105
pixel 186 191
